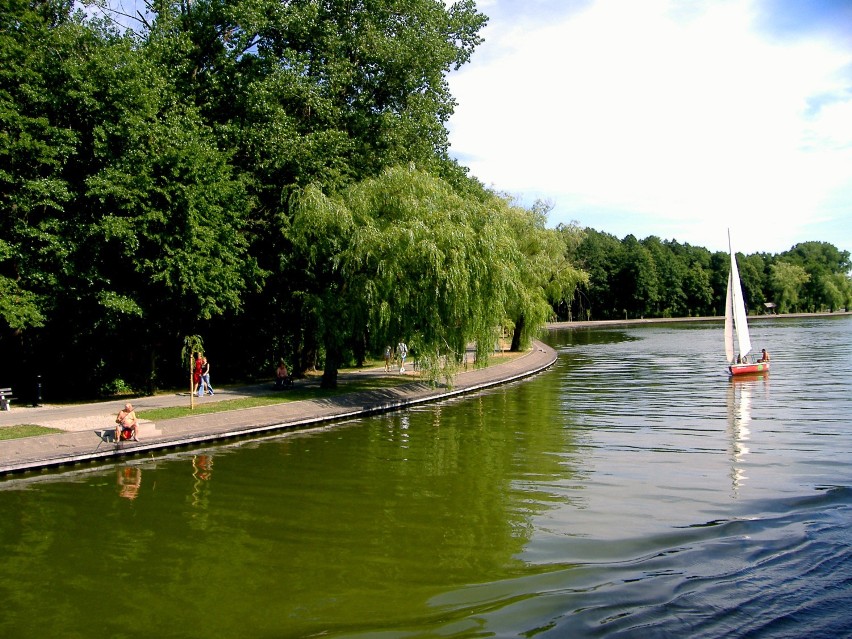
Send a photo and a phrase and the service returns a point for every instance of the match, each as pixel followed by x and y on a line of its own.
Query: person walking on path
pixel 402 351
pixel 388 353
pixel 196 374
pixel 205 378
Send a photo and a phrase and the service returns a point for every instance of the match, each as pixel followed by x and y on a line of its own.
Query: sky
pixel 675 118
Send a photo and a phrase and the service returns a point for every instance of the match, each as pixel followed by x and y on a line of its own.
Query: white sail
pixel 736 306
pixel 729 324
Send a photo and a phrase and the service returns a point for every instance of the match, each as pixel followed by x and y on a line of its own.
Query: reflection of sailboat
pixel 739 419
pixel 735 319
pixel 741 391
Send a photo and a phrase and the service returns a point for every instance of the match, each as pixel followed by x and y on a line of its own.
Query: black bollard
pixel 37 400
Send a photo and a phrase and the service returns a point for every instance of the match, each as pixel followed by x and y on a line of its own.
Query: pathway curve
pixel 87 427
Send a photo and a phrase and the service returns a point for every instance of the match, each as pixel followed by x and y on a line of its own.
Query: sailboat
pixel 736 321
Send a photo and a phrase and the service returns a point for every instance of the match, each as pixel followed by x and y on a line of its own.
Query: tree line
pixel 632 278
pixel 275 178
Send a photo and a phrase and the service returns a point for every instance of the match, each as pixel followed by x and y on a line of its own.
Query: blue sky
pixel 675 118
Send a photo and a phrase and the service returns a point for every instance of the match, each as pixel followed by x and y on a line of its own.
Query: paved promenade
pixel 87 428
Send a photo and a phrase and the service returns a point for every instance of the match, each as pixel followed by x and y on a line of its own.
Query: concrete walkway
pixel 87 435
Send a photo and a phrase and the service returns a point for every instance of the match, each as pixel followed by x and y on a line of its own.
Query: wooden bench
pixel 5 398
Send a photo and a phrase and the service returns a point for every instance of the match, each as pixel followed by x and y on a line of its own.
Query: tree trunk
pixel 306 360
pixel 329 371
pixel 516 335
pixel 360 350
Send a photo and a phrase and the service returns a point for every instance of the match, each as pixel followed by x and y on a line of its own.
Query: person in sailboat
pixel 764 355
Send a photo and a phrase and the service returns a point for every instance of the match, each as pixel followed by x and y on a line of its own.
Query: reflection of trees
pixel 28 532
pixel 373 520
pixel 475 477
pixel 332 528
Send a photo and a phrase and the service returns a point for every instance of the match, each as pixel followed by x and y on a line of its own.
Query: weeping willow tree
pixel 544 275
pixel 405 257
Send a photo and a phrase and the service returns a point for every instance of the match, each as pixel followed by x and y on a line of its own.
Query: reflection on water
pixel 202 472
pixel 739 398
pixel 129 479
pixel 631 490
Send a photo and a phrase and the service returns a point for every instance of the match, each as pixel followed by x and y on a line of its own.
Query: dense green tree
pixel 671 271
pixel 698 291
pixel 567 280
pixel 320 92
pixel 327 94
pixel 787 281
pixel 600 255
pixel 695 273
pixel 822 262
pixel 638 279
pixel 33 149
pixel 720 265
pixel 836 291
pixel 752 278
pixel 151 174
pixel 137 234
pixel 545 275
pixel 36 147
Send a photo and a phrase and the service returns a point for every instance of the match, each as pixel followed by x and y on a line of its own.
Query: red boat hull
pixel 745 369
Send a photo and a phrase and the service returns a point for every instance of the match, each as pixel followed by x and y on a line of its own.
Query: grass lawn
pixel 267 398
pixel 25 430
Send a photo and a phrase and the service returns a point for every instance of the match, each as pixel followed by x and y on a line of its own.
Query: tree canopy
pixel 272 176
pixel 655 278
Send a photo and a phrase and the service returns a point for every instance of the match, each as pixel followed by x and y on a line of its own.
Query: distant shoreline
pixel 671 320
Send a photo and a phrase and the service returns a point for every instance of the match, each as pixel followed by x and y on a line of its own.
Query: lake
pixel 632 490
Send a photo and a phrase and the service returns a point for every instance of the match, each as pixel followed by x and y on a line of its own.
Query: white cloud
pixel 682 124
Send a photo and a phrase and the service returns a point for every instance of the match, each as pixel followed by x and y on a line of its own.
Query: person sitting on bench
pixel 126 424
pixel 282 377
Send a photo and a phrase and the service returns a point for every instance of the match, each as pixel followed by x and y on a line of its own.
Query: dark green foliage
pixel 148 177
pixel 653 278
pixel 404 257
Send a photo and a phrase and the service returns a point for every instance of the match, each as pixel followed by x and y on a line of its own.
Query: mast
pixel 735 298
pixel 729 324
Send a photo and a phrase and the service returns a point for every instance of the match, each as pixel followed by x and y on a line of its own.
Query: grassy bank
pixel 270 397
pixel 25 430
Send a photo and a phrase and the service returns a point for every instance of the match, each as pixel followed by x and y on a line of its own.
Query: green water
pixel 631 490
pixel 290 536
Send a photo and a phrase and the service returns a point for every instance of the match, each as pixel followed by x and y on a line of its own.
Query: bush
pixel 116 387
